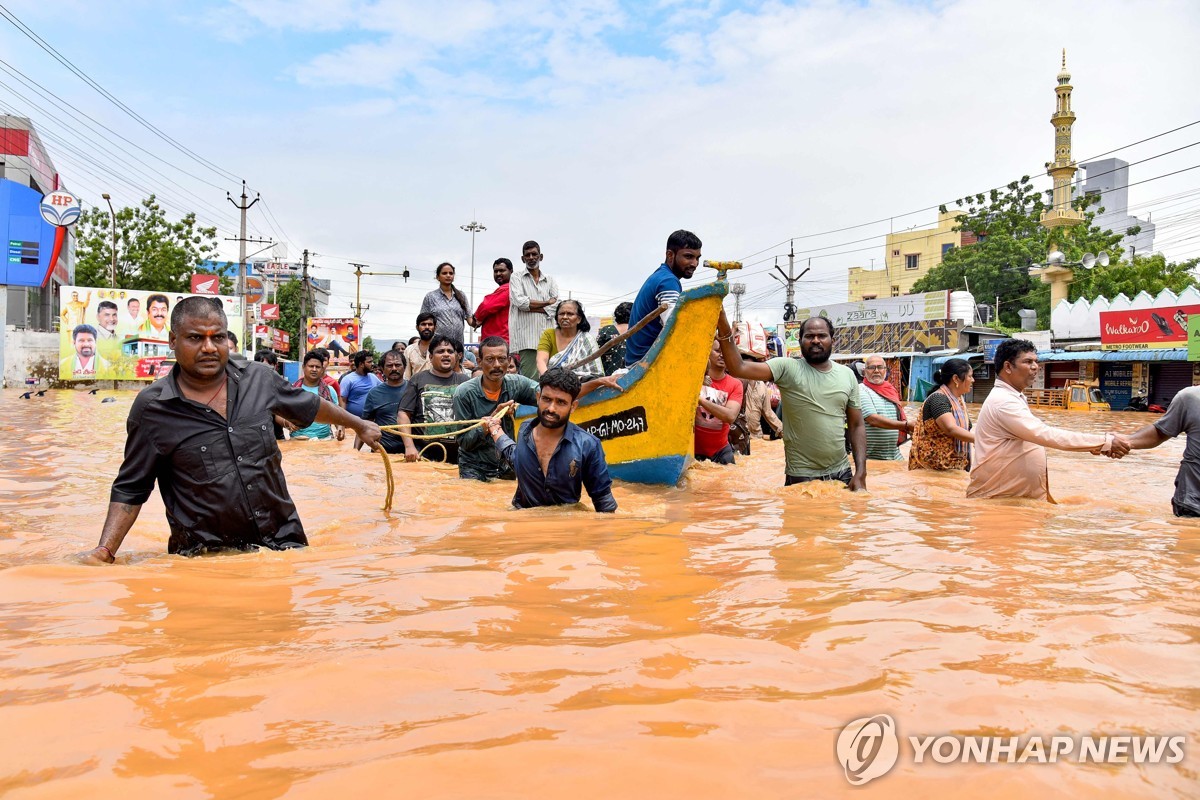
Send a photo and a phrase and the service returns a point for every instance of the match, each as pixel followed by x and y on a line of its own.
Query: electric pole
pixel 357 304
pixel 737 290
pixel 789 281
pixel 302 346
pixel 243 207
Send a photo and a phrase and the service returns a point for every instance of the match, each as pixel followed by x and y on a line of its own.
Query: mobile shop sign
pixel 1145 328
pixel 909 308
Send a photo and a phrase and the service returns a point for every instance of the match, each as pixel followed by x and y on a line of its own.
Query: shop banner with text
pixel 122 334
pixel 1145 328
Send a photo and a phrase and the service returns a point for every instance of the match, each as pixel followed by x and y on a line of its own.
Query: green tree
pixel 288 297
pixel 153 253
pixel 368 344
pixel 1011 240
pixel 1151 274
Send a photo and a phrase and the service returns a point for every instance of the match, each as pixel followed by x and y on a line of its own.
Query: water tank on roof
pixel 1028 319
pixel 962 307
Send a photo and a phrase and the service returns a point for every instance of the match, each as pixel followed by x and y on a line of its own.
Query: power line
pixel 40 42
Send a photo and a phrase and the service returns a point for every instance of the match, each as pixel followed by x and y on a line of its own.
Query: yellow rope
pixel 400 428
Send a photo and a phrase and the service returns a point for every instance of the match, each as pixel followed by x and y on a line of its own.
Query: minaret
pixel 1062 170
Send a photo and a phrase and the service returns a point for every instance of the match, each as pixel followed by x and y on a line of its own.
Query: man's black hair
pixel 828 323
pixel 106 304
pixel 493 341
pixel 441 338
pixel 132 300
pixel 622 312
pixel 193 308
pixel 311 354
pixel 82 329
pixel 563 380
pixel 425 315
pixel 162 298
pixel 531 244
pixel 359 357
pixel 232 337
pixel 266 357
pixel 503 261
pixel 1011 350
pixel 391 355
pixel 321 352
pixel 683 240
pixel 414 339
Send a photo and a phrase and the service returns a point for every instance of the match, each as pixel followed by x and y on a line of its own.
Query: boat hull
pixel 647 429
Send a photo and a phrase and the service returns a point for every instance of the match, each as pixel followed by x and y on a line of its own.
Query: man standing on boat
pixel 1010 442
pixel 533 298
pixel 820 397
pixel 662 288
pixel 554 458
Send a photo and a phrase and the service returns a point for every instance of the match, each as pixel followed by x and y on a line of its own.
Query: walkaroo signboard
pixel 121 334
pixel 1145 328
pixel 339 335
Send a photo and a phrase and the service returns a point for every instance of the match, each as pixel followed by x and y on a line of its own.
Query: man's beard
pixel 558 422
pixel 817 359
pixel 425 335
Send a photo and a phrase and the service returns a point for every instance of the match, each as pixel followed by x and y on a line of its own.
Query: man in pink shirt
pixel 492 314
pixel 1010 442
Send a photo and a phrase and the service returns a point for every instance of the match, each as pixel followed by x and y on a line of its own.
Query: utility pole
pixel 302 346
pixel 357 304
pixel 789 281
pixel 473 228
pixel 737 290
pixel 243 207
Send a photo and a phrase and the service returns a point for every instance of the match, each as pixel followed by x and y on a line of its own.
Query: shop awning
pixel 1149 354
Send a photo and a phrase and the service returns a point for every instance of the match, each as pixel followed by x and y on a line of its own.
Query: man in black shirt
pixel 204 433
pixel 429 397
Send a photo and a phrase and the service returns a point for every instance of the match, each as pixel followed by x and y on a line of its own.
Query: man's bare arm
pixel 734 364
pixel 120 519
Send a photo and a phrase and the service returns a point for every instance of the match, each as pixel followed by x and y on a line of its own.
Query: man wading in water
pixel 204 433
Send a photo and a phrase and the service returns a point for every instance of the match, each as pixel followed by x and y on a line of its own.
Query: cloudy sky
pixel 374 129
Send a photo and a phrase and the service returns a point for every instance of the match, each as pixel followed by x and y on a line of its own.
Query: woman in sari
pixel 568 342
pixel 448 304
pixel 942 436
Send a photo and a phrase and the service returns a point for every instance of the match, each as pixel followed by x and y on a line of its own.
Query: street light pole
pixel 473 228
pixel 113 214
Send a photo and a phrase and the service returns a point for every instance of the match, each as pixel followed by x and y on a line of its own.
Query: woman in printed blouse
pixel 942 436
pixel 448 305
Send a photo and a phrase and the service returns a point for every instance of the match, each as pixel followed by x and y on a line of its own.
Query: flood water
pixel 707 641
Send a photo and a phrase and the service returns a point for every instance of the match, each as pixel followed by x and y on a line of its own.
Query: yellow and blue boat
pixel 647 429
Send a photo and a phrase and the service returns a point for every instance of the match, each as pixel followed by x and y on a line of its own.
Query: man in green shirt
pixel 820 397
pixel 483 395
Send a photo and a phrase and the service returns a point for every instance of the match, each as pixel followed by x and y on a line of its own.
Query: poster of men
pixel 121 334
pixel 339 335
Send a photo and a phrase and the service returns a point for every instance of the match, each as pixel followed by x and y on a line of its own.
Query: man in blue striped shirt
pixel 662 288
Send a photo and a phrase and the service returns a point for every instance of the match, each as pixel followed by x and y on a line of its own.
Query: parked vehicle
pixel 1075 396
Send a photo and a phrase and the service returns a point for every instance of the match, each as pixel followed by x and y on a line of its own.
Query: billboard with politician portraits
pixel 122 334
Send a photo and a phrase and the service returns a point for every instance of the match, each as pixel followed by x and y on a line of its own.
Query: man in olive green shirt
pixel 819 399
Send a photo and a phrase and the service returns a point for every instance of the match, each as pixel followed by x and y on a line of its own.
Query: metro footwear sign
pixel 1145 328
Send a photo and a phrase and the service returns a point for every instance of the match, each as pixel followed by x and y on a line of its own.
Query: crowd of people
pixel 200 431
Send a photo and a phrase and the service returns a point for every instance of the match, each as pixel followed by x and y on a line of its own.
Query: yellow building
pixel 908 256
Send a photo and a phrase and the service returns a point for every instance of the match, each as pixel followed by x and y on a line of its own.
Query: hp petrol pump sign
pixel 61 209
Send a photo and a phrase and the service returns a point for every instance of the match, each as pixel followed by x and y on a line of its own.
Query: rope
pixel 387 462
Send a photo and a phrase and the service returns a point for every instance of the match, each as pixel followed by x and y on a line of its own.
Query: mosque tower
pixel 1062 169
pixel 1061 214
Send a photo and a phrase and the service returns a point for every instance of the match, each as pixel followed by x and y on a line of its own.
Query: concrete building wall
pixel 1109 177
pixel 908 257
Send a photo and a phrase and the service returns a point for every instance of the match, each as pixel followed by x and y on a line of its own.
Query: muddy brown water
pixel 707 641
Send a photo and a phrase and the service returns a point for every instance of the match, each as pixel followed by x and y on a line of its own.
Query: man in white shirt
pixel 533 298
pixel 1010 442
